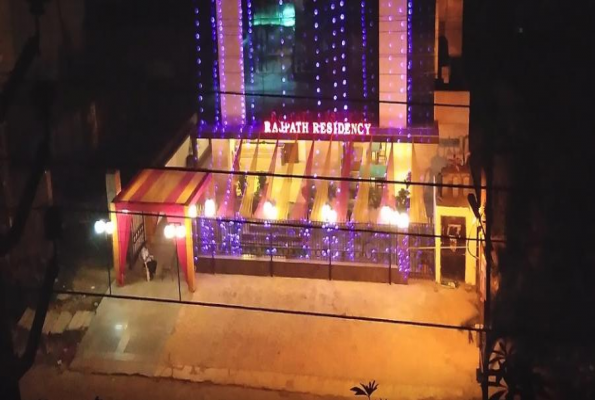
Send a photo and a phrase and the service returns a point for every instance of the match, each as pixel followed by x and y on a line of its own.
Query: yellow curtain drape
pixel 360 213
pixel 268 187
pixel 248 197
pixel 417 213
pixel 322 189
pixel 283 199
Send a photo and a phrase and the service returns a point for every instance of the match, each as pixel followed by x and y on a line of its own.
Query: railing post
pixel 212 244
pixel 330 255
pixel 390 259
pixel 177 267
pixel 271 249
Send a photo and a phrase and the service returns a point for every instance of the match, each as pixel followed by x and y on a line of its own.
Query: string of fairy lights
pixel 330 67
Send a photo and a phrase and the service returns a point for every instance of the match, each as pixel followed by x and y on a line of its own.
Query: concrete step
pixel 61 323
pixel 26 320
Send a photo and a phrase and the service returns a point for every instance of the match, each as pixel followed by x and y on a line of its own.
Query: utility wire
pixel 337 227
pixel 55 165
pixel 343 100
pixel 276 311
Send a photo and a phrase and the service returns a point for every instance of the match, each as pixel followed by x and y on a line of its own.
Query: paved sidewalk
pixel 60 385
pixel 293 353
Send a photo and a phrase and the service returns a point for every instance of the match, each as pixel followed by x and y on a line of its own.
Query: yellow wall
pixel 392 27
pixel 470 261
pixel 402 163
pixel 178 160
pixel 231 62
pixel 453 122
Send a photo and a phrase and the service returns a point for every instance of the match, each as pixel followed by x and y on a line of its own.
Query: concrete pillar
pixel 113 185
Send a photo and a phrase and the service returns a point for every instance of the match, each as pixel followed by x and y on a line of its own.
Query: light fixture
pixel 180 231
pixel 99 227
pixel 328 214
pixel 169 231
pixel 402 220
pixel 210 208
pixel 386 215
pixel 192 212
pixel 102 227
pixel 109 227
pixel 270 210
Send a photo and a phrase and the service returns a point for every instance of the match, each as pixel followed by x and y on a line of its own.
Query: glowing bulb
pixel 328 214
pixel 210 208
pixel 180 231
pixel 192 212
pixel 402 220
pixel 99 227
pixel 270 210
pixel 386 215
pixel 109 227
pixel 169 231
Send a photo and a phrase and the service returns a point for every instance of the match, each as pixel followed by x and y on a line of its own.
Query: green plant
pixel 262 180
pixel 241 185
pixel 514 376
pixel 365 390
pixel 375 197
pixel 402 198
pixel 332 191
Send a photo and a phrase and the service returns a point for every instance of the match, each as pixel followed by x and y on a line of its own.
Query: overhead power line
pixel 342 100
pixel 277 311
pixel 338 227
pixel 55 165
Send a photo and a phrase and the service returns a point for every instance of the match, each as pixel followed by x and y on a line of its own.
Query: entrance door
pixel 453 248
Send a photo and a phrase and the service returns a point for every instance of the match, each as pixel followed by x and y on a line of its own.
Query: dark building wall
pixel 420 64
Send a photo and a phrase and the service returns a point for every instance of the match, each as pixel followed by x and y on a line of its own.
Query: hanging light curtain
pixel 417 212
pixel 283 203
pixel 268 186
pixel 322 189
pixel 248 197
pixel 388 193
pixel 300 208
pixel 361 206
pixel 227 208
pixel 342 198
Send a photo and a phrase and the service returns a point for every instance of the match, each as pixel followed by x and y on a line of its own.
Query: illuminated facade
pixel 333 100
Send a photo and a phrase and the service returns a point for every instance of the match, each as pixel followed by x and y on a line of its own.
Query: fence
pixel 343 244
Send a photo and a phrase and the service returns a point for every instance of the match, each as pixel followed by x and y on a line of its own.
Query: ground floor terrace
pixel 296 208
pixel 279 351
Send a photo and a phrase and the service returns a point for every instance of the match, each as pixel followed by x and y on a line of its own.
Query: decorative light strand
pixel 221 56
pixel 317 60
pixel 342 45
pixel 250 12
pixel 241 54
pixel 215 66
pixel 409 58
pixel 197 36
pixel 363 12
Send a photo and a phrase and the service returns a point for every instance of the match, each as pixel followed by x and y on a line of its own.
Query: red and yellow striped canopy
pixel 168 189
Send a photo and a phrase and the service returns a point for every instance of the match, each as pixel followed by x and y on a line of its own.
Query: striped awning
pixel 159 190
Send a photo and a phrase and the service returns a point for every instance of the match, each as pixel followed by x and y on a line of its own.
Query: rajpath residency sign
pixel 317 128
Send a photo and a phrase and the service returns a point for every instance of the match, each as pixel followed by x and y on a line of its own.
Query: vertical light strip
pixel 318 59
pixel 409 57
pixel 333 54
pixel 221 56
pixel 215 66
pixel 283 58
pixel 343 46
pixel 231 62
pixel 201 110
pixel 393 58
pixel 364 59
pixel 250 12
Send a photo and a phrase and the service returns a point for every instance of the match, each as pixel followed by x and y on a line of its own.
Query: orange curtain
pixel 300 208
